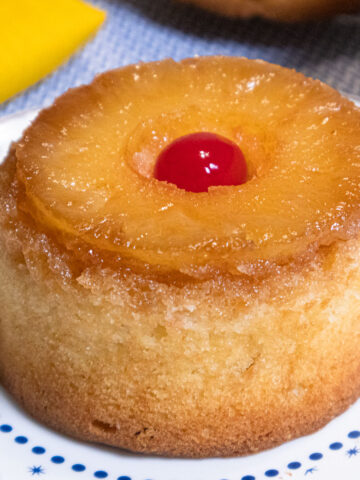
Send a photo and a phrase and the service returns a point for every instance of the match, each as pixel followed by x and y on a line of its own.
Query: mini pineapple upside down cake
pixel 179 261
pixel 279 10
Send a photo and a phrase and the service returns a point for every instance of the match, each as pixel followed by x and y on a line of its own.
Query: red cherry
pixel 201 160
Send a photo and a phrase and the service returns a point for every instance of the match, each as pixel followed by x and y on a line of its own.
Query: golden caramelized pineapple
pixel 180 258
pixel 92 177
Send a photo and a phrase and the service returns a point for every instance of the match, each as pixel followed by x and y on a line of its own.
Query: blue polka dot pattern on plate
pixel 57 459
pixel 316 456
pixel 336 446
pixel 100 474
pixel 38 450
pixel 271 473
pixel 5 428
pixel 78 467
pixel 21 440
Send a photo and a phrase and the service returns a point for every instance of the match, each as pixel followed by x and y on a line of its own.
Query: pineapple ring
pixel 90 177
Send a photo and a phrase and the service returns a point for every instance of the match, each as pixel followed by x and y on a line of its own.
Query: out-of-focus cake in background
pixel 283 10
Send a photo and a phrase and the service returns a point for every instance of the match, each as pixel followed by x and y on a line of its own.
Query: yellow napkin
pixel 37 35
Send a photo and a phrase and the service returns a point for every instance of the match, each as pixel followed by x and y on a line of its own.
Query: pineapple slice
pixel 87 163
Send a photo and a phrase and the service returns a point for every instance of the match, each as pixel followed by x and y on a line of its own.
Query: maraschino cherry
pixel 201 160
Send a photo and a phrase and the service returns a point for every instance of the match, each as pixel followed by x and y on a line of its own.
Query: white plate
pixel 29 450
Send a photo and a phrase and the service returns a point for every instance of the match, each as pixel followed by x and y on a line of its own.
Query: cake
pixel 288 10
pixel 176 322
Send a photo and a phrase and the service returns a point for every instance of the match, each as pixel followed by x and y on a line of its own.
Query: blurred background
pixel 148 30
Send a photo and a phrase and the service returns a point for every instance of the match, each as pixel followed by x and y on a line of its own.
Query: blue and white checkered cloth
pixel 154 29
